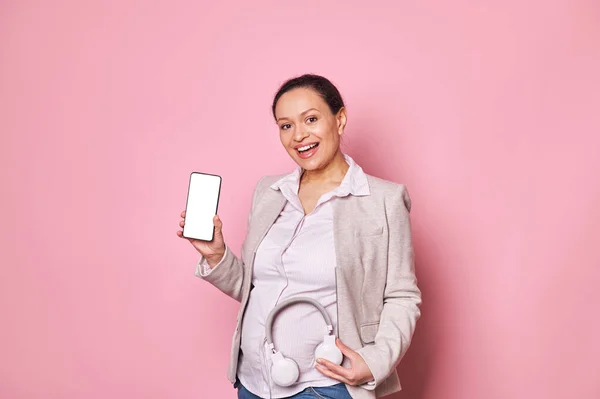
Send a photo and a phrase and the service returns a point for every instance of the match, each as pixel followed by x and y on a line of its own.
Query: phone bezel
pixel 188 198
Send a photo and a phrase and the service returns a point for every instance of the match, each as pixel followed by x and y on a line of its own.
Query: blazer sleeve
pixel 402 297
pixel 228 274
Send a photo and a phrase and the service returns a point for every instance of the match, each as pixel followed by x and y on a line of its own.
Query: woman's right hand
pixel 213 251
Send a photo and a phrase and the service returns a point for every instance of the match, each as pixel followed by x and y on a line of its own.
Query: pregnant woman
pixel 333 235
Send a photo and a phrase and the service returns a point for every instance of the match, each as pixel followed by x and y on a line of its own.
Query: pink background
pixel 489 111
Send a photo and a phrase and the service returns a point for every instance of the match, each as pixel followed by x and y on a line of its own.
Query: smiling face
pixel 309 131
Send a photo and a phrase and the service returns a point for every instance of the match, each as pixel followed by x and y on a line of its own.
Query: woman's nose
pixel 300 134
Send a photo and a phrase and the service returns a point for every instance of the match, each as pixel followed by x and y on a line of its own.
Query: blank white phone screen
pixel 202 202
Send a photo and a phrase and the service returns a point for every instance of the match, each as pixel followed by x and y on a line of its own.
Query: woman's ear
pixel 341 119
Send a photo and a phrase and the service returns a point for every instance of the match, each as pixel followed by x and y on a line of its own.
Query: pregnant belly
pixel 297 330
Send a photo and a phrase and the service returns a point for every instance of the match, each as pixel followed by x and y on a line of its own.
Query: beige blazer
pixel 377 295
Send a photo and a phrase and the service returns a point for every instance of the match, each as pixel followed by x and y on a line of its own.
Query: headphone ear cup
pixel 284 371
pixel 329 350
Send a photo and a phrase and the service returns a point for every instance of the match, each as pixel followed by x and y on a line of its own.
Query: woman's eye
pixel 312 119
pixel 285 127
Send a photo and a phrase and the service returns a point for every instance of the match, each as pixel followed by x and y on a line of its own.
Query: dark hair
pixel 328 92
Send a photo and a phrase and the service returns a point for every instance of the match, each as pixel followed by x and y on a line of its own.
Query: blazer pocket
pixel 368 332
pixel 369 231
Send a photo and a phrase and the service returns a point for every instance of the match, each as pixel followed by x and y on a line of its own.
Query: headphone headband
pixel 291 301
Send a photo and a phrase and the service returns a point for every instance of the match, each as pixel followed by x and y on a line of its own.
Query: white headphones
pixel 285 371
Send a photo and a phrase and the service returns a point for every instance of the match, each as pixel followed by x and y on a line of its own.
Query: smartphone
pixel 201 206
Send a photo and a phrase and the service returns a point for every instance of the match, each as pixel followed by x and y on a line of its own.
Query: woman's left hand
pixel 357 374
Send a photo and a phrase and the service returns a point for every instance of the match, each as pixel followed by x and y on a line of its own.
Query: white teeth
pixel 307 147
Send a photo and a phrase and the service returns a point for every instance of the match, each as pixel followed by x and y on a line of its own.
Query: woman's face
pixel 308 130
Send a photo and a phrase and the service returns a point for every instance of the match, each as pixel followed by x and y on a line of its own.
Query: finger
pixel 180 234
pixel 325 371
pixel 218 225
pixel 346 351
pixel 335 368
pixel 181 224
pixel 183 214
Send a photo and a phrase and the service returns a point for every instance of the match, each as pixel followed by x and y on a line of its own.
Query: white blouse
pixel 296 258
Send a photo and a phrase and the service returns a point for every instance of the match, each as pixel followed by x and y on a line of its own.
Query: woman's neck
pixel 334 172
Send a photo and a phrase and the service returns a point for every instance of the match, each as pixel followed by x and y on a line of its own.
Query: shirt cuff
pixel 203 269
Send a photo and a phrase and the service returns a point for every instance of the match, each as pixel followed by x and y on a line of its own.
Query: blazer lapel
pixel 263 218
pixel 271 206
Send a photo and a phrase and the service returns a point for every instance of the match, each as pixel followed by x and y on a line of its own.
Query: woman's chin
pixel 308 164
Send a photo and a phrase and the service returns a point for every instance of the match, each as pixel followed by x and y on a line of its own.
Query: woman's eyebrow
pixel 308 110
pixel 302 113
